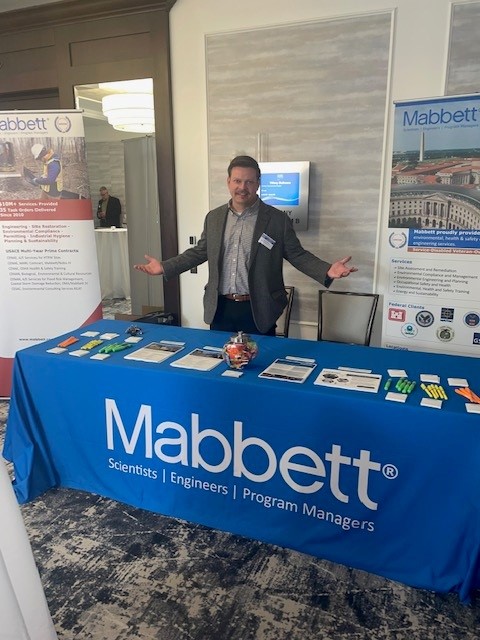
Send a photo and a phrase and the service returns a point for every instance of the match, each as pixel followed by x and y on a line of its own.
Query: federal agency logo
pixel 471 319
pixel 409 330
pixel 424 318
pixel 397 315
pixel 63 124
pixel 447 314
pixel 397 239
pixel 476 338
pixel 445 334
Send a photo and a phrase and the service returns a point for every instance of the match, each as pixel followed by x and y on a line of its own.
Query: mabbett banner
pixel 432 242
pixel 48 264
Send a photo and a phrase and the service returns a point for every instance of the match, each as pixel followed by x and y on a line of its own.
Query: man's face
pixel 103 194
pixel 243 185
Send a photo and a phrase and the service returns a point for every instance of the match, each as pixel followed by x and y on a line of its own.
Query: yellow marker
pixel 433 391
pixel 426 389
pixel 442 392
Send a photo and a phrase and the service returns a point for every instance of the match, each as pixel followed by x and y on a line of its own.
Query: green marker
pixel 387 384
pixel 411 387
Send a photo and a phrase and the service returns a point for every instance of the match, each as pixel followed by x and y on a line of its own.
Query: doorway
pixel 115 114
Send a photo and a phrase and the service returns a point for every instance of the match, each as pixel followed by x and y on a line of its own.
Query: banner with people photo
pixel 49 281
pixel 432 244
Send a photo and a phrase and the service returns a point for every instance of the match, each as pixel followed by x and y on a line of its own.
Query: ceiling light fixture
pixel 141 85
pixel 131 112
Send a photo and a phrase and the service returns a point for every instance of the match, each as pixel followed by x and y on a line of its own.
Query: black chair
pixel 283 323
pixel 345 316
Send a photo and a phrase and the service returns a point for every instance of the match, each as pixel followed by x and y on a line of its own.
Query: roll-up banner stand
pixel 432 244
pixel 49 282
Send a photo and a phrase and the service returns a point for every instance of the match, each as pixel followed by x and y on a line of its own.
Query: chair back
pixel 345 316
pixel 283 323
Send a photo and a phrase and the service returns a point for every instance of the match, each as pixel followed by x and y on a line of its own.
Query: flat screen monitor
pixel 285 185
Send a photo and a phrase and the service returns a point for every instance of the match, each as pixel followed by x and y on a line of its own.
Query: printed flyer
pixel 49 280
pixel 432 300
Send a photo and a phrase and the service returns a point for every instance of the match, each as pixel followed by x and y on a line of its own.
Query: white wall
pixel 418 65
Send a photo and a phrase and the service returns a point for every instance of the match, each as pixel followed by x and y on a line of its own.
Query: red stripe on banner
pixel 6 368
pixel 20 210
pixel 96 315
pixel 6 364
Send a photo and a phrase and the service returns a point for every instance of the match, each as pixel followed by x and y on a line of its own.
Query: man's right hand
pixel 153 266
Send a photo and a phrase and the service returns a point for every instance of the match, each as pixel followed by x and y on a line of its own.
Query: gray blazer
pixel 265 275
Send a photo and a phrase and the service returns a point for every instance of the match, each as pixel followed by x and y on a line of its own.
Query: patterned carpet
pixel 113 572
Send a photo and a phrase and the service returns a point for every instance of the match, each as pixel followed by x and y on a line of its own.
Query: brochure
pixel 200 359
pixel 288 370
pixel 342 379
pixel 155 351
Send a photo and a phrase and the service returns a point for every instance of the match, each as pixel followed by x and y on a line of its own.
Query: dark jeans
pixel 236 316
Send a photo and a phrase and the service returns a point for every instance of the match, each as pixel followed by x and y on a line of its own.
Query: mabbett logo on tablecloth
pixel 184 448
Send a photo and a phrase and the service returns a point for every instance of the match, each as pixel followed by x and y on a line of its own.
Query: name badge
pixel 267 241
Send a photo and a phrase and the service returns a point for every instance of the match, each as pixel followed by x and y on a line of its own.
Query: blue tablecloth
pixel 393 489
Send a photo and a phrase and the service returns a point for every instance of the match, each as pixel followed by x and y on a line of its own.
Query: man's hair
pixel 103 189
pixel 244 161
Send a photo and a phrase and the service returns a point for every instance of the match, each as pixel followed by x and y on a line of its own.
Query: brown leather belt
pixel 237 297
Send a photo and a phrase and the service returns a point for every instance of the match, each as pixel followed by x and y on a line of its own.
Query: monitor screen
pixel 280 189
pixel 285 186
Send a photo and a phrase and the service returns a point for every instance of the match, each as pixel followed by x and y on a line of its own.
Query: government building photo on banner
pixel 433 236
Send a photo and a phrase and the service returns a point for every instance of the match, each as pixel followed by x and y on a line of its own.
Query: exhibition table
pixel 113 263
pixel 389 487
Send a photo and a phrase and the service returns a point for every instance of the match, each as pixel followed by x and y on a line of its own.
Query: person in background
pixel 51 180
pixel 109 210
pixel 245 242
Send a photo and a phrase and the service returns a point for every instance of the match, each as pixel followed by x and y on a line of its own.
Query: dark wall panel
pixel 27 70
pixel 113 49
pixel 30 100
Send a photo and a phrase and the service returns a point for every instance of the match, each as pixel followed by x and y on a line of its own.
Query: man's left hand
pixel 340 269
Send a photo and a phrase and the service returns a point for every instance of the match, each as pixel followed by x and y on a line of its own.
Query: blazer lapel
pixel 215 238
pixel 263 219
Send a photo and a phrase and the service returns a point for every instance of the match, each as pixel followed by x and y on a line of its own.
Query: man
pixel 245 243
pixel 51 180
pixel 109 210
